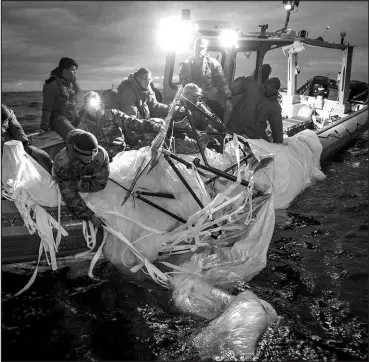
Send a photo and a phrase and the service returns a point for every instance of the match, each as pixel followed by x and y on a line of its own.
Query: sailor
pixel 266 70
pixel 59 112
pixel 259 104
pixel 12 130
pixel 114 130
pixel 138 99
pixel 158 95
pixel 207 73
pixel 192 100
pixel 82 166
pixel 269 110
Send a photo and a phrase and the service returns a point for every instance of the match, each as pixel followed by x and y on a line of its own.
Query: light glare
pixel 174 34
pixel 93 103
pixel 228 37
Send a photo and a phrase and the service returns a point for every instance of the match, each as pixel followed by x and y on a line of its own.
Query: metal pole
pixel 183 181
pixel 218 172
pixel 228 169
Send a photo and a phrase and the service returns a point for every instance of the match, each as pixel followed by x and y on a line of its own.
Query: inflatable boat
pixel 336 111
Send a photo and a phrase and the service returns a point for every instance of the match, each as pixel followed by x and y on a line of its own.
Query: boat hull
pixel 339 134
pixel 17 245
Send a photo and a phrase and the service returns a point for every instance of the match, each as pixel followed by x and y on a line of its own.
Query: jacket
pixel 107 129
pixel 10 127
pixel 254 109
pixel 212 78
pixel 115 125
pixel 135 101
pixel 73 176
pixel 59 98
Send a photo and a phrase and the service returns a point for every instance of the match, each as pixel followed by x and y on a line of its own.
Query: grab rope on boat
pixel 332 135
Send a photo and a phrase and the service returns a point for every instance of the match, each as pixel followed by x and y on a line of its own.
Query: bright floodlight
pixel 290 5
pixel 174 34
pixel 228 37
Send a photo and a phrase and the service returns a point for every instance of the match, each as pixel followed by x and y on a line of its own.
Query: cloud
pixel 109 39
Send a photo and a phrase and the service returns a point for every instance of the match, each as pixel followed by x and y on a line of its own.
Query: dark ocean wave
pixel 316 278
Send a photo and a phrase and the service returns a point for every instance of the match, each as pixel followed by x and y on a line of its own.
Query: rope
pixel 332 135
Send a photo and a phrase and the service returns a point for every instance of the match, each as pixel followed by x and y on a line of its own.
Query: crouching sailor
pixel 114 130
pixel 12 130
pixel 82 166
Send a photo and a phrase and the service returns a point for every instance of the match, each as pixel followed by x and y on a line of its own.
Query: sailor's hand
pixel 228 105
pixel 42 131
pixel 156 123
pixel 27 148
pixel 97 221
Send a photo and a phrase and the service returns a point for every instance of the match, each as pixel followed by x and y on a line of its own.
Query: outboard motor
pixel 319 86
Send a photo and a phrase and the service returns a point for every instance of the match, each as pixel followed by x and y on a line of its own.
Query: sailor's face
pixel 69 74
pixel 199 50
pixel 145 80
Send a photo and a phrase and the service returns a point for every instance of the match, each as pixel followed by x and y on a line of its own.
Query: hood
pixel 55 73
pixel 271 87
pixel 131 82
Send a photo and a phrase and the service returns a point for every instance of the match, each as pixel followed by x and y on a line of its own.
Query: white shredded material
pixel 43 222
pixel 218 216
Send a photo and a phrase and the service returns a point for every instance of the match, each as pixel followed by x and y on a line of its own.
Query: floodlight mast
pixel 289 6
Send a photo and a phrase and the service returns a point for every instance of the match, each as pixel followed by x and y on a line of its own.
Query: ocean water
pixel 316 278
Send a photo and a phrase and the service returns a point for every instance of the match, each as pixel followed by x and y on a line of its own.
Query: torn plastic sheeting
pixel 239 254
pixel 27 184
pixel 148 239
pixel 237 322
pixel 235 333
pixel 295 165
pixel 149 229
pixel 27 175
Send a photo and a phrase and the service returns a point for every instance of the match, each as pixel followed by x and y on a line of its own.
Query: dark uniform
pixel 12 130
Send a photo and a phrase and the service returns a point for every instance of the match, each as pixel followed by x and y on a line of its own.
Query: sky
pixel 110 39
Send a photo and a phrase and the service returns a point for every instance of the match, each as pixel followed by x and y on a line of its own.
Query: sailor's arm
pixel 183 74
pixel 129 123
pixel 127 102
pixel 156 109
pixel 15 129
pixel 68 188
pixel 221 79
pixel 100 179
pixel 276 124
pixel 48 97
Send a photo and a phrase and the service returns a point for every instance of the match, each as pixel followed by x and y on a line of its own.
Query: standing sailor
pixel 207 73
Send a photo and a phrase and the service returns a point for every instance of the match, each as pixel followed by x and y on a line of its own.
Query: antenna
pixel 326 29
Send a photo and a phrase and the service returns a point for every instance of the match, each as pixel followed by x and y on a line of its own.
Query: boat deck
pixel 17 245
pixel 294 125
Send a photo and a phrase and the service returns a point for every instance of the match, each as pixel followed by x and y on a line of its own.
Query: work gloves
pixel 27 147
